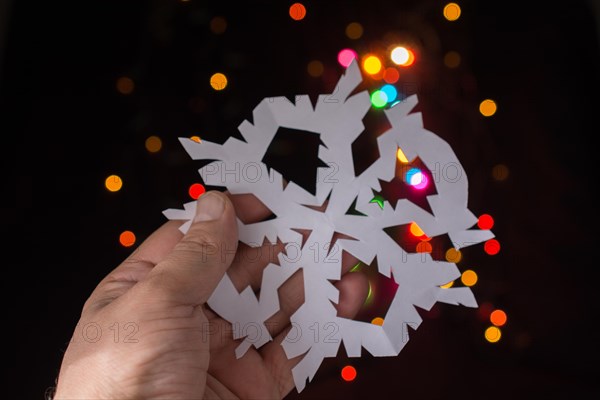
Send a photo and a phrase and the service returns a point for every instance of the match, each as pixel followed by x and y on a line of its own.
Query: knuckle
pixel 198 243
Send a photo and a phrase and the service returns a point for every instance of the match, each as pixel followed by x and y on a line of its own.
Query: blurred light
pixel 127 239
pixel 153 144
pixel 297 11
pixel 377 321
pixel 390 91
pixel 402 56
pixel 218 25
pixel 498 317
pixel 369 295
pixel 372 65
pixel 348 373
pixel 447 285
pixel 452 59
pixel 125 85
pixel 378 99
pixel 453 255
pixel 416 229
pixel 356 267
pixel 218 81
pixel 416 178
pixel 452 11
pixel 492 247
pixel 379 200
pixel 493 334
pixel 196 190
pixel 401 156
pixel 391 75
pixel 315 68
pixel 424 247
pixel 487 108
pixel 354 30
pixel 113 183
pixel 345 57
pixel 469 278
pixel 196 139
pixel 485 221
pixel 500 172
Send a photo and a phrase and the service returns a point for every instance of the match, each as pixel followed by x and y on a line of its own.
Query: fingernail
pixel 209 208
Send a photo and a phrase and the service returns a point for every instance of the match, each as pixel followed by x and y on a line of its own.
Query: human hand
pixel 143 331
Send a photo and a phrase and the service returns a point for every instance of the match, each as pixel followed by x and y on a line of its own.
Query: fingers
pixel 353 288
pixel 191 271
pixel 249 208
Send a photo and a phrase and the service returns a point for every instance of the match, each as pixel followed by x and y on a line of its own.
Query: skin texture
pixel 146 333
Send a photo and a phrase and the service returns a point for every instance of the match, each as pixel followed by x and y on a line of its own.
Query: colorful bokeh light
pixel 416 178
pixel 378 99
pixel 345 57
pixel 415 230
pixel 297 11
pixel 453 255
pixel 196 190
pixel 402 56
pixel 218 25
pixel 452 11
pixel 125 85
pixel 488 107
pixel 500 172
pixel 424 247
pixel 485 221
pixel 492 247
pixel 452 59
pixel 377 321
pixel 469 278
pixel 218 81
pixel 315 68
pixel 348 373
pixel 493 334
pixel 127 238
pixel 372 65
pixel 448 285
pixel 196 139
pixel 401 156
pixel 390 91
pixel 153 144
pixel 391 75
pixel 354 30
pixel 113 183
pixel 498 317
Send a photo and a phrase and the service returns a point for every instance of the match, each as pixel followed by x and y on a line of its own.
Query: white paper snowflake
pixel 317 330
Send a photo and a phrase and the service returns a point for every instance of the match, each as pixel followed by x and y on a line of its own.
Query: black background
pixel 64 128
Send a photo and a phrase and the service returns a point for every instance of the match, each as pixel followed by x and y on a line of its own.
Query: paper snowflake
pixel 337 118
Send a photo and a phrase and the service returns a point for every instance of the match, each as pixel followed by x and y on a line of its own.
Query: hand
pixel 142 332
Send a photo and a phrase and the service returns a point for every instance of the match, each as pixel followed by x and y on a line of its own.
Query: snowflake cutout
pixel 337 118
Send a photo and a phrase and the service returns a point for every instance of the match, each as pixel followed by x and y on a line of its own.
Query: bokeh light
pixel 297 11
pixel 452 59
pixel 390 92
pixel 378 99
pixel 345 57
pixel 113 183
pixel 315 68
pixel 500 172
pixel 377 321
pixel 218 25
pixel 153 144
pixel 402 56
pixel 493 334
pixel 127 238
pixel 485 221
pixel 372 65
pixel 196 190
pixel 492 247
pixel 391 75
pixel 453 255
pixel 448 285
pixel 469 278
pixel 415 230
pixel 498 317
pixel 354 30
pixel 348 373
pixel 218 81
pixel 401 156
pixel 196 139
pixel 488 107
pixel 424 247
pixel 125 85
pixel 452 11
pixel 416 178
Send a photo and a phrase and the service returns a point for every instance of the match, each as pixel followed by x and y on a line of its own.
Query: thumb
pixel 190 273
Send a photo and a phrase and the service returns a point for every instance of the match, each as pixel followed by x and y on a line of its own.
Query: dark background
pixel 64 128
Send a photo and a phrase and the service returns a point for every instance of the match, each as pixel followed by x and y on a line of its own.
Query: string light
pixel 113 183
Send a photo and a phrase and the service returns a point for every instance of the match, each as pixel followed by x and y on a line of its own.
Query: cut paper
pixel 317 332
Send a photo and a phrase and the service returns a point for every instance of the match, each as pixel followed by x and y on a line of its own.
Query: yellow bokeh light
pixel 416 229
pixel 452 11
pixel 401 156
pixel 469 278
pixel 113 183
pixel 500 172
pixel 125 85
pixel 315 68
pixel 493 334
pixel 153 144
pixel 218 25
pixel 377 321
pixel 488 107
pixel 354 30
pixel 218 81
pixel 453 255
pixel 196 139
pixel 452 59
pixel 447 285
pixel 372 65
